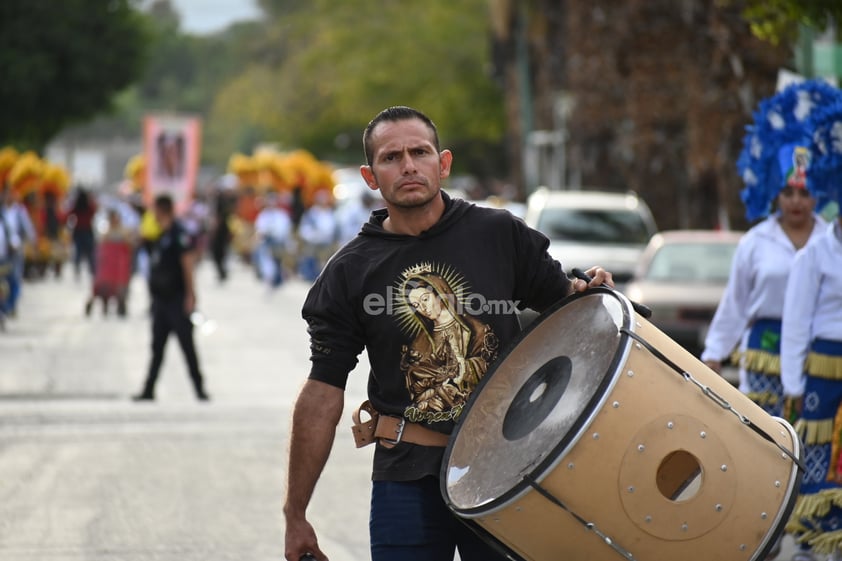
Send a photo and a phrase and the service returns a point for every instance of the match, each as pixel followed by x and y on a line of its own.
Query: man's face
pixel 406 166
pixel 162 217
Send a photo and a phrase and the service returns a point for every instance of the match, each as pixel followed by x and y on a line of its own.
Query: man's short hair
pixel 164 203
pixel 394 114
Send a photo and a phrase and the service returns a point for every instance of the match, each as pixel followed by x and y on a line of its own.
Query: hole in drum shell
pixel 679 476
pixel 537 397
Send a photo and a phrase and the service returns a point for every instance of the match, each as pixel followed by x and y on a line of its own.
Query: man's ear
pixel 368 177
pixel 446 159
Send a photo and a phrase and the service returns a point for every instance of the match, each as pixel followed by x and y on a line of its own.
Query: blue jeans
pixel 15 280
pixel 411 522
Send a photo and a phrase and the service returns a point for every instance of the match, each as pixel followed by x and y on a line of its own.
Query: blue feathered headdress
pixel 782 123
pixel 825 171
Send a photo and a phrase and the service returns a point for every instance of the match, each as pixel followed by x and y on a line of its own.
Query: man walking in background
pixel 171 263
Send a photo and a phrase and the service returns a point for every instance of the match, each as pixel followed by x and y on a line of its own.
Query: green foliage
pixel 777 21
pixel 63 62
pixel 342 62
pixel 280 8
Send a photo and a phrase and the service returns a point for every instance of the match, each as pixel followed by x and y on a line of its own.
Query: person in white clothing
pixel 749 314
pixel 811 353
pixel 318 232
pixel 351 216
pixel 5 268
pixel 21 232
pixel 273 228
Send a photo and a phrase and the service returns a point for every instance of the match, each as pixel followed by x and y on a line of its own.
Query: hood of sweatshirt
pixel 454 209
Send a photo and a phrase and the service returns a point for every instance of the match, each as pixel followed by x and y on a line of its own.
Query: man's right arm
pixel 317 412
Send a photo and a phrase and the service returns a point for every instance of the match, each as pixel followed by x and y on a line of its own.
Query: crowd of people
pixel 104 237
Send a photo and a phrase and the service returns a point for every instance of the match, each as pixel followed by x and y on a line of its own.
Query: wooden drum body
pixel 597 437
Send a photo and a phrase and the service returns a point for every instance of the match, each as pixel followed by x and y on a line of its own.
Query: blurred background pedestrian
pixel 811 351
pixel 113 266
pixel 21 232
pixel 318 232
pixel 273 232
pixel 80 219
pixel 172 259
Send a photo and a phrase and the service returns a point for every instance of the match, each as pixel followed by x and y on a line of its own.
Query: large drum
pixel 598 437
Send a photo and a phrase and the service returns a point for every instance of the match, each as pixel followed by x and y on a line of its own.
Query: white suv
pixel 589 228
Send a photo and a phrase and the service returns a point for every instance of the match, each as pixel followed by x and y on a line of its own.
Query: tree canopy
pixel 63 62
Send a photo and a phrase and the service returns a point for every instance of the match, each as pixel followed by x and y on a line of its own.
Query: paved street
pixel 85 473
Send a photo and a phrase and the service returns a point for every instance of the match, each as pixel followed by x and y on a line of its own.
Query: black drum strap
pixel 715 397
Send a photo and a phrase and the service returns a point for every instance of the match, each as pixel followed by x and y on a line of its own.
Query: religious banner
pixel 171 145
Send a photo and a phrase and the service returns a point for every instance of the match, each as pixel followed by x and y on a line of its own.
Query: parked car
pixel 681 277
pixel 589 228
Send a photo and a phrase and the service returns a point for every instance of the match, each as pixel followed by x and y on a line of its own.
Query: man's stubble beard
pixel 436 192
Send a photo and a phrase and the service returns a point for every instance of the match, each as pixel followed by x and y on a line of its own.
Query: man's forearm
pixel 188 261
pixel 317 412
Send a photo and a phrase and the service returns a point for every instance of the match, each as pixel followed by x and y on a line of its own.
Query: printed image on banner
pixel 171 147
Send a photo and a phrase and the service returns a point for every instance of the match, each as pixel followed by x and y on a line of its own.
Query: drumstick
pixel 639 308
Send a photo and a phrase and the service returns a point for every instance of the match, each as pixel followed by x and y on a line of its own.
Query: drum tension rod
pixel 713 396
pixel 590 526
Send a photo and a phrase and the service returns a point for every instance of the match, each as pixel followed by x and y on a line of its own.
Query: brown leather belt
pixel 390 431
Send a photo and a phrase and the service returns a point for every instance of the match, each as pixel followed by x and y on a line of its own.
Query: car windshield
pixel 700 262
pixel 620 226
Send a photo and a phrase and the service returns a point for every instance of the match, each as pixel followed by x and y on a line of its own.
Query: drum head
pixel 532 404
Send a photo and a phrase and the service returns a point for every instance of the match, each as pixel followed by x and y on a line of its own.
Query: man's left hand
pixel 599 276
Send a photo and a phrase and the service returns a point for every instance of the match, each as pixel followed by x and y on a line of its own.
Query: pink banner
pixel 171 145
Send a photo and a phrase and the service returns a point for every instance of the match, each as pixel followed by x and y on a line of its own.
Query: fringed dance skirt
pixel 817 517
pixel 762 362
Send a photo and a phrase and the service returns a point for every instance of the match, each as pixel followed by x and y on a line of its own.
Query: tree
pixel 63 62
pixel 661 92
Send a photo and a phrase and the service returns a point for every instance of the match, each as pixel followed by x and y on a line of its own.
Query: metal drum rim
pixel 784 513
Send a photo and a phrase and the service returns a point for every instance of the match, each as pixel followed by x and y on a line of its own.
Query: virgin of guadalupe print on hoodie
pixel 448 349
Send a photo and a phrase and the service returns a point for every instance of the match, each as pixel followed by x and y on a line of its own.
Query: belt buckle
pixel 398 432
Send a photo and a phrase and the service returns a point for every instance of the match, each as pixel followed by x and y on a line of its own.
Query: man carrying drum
pixel 430 288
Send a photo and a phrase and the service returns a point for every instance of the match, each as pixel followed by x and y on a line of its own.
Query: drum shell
pixel 609 475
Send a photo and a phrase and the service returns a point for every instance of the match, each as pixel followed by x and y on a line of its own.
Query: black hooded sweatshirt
pixel 433 311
